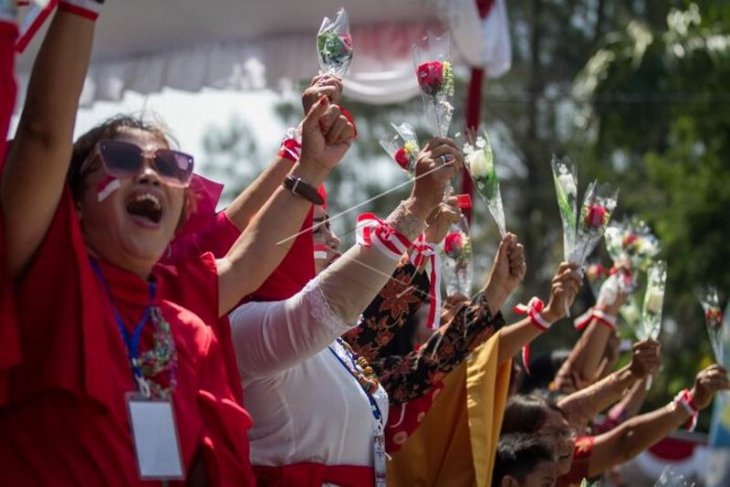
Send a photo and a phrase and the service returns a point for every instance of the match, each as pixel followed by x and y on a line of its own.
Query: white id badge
pixel 380 457
pixel 155 438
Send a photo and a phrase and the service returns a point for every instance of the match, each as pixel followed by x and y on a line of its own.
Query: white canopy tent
pixel 144 45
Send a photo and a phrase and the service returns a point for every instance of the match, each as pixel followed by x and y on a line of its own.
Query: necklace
pixel 359 367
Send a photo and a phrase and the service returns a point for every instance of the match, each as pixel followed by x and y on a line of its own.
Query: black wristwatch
pixel 302 189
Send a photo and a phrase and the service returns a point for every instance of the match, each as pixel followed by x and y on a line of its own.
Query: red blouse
pixel 66 422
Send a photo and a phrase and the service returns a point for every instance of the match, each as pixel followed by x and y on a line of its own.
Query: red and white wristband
pixel 533 310
pixel 601 317
pixel 684 398
pixel 291 146
pixel 85 8
pixel 373 232
pixel 426 252
pixel 38 12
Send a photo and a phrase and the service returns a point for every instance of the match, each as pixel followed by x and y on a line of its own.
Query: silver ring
pixel 444 159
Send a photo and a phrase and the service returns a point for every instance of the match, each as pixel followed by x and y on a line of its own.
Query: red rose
pixel 402 158
pixel 347 41
pixel 596 271
pixel 453 243
pixel 430 77
pixel 596 215
pixel 629 239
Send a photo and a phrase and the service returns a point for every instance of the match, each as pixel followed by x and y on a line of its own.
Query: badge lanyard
pixel 131 342
pixel 378 433
pixel 152 421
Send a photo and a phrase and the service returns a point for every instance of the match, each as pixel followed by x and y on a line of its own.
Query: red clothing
pixel 66 421
pixel 9 335
pixel 581 461
pixel 314 475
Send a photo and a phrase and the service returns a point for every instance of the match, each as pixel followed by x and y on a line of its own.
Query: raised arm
pixel 627 440
pixel 35 172
pixel 269 337
pixel 582 406
pixel 565 285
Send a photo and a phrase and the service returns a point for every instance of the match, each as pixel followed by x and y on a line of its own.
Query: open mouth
pixel 145 206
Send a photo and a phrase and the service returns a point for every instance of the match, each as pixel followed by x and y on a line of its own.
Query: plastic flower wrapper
pixel 598 205
pixel 402 146
pixel 710 301
pixel 435 76
pixel 634 243
pixel 565 178
pixel 479 160
pixel 457 259
pixel 631 314
pixel 670 478
pixel 596 274
pixel 334 45
pixel 651 313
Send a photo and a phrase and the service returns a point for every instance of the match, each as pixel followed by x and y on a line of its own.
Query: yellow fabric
pixel 456 442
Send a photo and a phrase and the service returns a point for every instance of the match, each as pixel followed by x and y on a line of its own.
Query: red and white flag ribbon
pixel 426 252
pixel 106 187
pixel 533 309
pixel 374 232
pixel 32 22
pixel 685 399
pixel 602 317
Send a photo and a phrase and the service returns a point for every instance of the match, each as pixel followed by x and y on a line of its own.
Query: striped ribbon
pixel 426 252
pixel 374 232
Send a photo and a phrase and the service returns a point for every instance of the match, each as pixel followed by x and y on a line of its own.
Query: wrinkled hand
pixel 645 358
pixel 433 175
pixel 707 383
pixel 441 219
pixel 327 85
pixel 565 286
pixel 326 136
pixel 508 269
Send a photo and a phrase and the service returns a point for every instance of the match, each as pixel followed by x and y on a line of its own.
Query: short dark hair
pixel 517 455
pixel 526 413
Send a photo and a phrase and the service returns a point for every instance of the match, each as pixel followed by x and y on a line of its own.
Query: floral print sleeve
pixel 400 298
pixel 407 377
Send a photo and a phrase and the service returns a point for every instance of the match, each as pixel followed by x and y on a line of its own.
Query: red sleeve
pixel 217 237
pixel 581 461
pixel 202 299
pixel 9 334
pixel 225 444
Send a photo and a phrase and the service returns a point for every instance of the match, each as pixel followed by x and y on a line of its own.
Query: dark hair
pixel 109 129
pixel 526 413
pixel 517 455
pixel 543 369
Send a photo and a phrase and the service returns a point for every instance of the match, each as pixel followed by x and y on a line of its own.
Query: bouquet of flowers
pixel 435 77
pixel 334 45
pixel 631 242
pixel 566 188
pixel 402 146
pixel 457 259
pixel 598 205
pixel 480 164
pixel 710 301
pixel 651 313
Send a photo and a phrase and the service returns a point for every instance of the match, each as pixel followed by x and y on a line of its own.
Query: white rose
pixel 568 184
pixel 479 165
pixel 654 300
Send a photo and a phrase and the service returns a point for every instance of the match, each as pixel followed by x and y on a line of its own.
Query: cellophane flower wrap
pixel 402 146
pixel 710 300
pixel 631 242
pixel 479 159
pixel 565 178
pixel 457 259
pixel 435 76
pixel 651 312
pixel 334 45
pixel 595 213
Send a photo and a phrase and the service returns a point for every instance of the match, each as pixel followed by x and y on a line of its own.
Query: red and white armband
pixel 685 399
pixel 291 146
pixel 373 232
pixel 533 310
pixel 601 317
pixel 427 253
pixel 85 8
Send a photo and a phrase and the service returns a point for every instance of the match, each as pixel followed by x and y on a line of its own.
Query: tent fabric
pixel 236 46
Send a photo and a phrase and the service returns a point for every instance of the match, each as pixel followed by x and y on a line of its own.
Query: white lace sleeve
pixel 273 336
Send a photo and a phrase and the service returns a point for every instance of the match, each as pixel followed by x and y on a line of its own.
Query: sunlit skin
pixel 561 436
pixel 323 235
pixel 114 233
